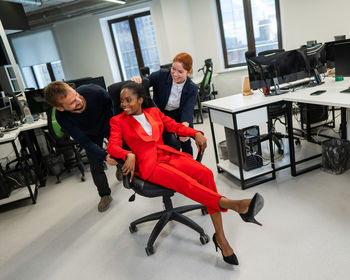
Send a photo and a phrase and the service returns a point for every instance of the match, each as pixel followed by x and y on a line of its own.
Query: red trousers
pixel 188 177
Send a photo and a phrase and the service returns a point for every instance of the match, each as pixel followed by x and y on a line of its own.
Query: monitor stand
pixel 277 90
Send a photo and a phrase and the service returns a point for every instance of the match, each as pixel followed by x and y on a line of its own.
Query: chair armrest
pixel 126 178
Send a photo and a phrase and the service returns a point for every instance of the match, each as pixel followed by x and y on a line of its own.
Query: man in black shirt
pixel 84 114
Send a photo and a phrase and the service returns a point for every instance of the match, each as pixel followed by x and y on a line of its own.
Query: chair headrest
pixel 114 92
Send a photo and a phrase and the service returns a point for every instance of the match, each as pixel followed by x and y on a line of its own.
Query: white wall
pixel 82 50
pixel 304 20
pixel 191 25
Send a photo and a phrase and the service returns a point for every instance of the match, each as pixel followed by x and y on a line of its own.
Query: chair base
pixel 170 214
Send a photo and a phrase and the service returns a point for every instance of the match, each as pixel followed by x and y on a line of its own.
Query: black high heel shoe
pixel 232 259
pixel 255 206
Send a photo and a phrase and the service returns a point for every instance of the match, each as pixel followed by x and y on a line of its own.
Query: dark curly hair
pixel 139 91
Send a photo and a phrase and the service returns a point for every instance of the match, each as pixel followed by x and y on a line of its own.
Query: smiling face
pixel 73 102
pixel 130 102
pixel 178 72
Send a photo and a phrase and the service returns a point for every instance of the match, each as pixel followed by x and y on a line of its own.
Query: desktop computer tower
pixel 311 113
pixel 249 147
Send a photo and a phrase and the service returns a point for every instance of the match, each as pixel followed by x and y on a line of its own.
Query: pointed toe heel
pixel 254 208
pixel 232 259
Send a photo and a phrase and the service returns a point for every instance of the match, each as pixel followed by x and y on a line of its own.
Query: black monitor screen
pixel 342 59
pixel 85 81
pixel 36 101
pixel 329 50
pixel 6 117
pixel 286 66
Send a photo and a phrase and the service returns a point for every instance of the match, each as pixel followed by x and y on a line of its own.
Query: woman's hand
pixel 201 141
pixel 184 138
pixel 110 160
pixel 129 165
pixel 136 79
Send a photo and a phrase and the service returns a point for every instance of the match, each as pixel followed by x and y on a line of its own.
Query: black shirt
pixel 92 122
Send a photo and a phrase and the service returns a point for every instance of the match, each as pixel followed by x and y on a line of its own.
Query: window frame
pixel 135 39
pixel 249 29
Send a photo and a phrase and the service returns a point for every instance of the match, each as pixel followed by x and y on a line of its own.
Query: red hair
pixel 186 61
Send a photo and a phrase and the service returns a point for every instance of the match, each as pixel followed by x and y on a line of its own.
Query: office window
pixel 135 44
pixel 40 75
pixel 248 25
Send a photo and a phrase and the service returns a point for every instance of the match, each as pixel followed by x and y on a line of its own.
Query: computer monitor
pixel 88 80
pixel 342 59
pixel 330 51
pixel 166 66
pixel 6 118
pixel 36 101
pixel 17 107
pixel 275 67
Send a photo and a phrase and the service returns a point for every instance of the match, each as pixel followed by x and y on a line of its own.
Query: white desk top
pixel 12 135
pixel 332 97
pixel 239 102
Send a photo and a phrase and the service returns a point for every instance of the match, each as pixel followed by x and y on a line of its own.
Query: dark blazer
pixel 162 81
pixel 128 129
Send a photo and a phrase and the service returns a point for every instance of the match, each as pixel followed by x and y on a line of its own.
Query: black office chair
pixel 148 189
pixel 144 72
pixel 206 89
pixel 67 154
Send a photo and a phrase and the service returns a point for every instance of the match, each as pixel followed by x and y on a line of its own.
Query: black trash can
pixel 335 154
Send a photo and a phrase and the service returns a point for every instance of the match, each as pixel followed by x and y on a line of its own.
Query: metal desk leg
pixel 34 157
pixel 291 139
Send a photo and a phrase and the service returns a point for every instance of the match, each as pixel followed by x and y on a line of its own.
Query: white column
pixel 11 57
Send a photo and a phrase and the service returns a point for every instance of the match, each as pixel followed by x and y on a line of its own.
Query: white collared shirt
pixel 144 123
pixel 175 96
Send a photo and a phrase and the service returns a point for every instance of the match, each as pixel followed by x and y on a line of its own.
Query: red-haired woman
pixel 175 94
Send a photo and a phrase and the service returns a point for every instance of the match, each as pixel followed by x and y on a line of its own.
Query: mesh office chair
pixel 66 149
pixel 205 89
pixel 150 190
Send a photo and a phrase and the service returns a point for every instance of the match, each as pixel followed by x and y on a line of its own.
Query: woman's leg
pixel 220 235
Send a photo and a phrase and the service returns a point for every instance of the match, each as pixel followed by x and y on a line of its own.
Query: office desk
pixel 238 111
pixel 27 130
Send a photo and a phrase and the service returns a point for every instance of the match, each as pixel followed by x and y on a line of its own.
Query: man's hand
pixel 136 79
pixel 201 141
pixel 184 138
pixel 129 165
pixel 110 161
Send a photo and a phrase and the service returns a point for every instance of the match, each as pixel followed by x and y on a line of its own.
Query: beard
pixel 81 108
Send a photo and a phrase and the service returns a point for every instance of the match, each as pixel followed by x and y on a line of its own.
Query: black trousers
pixel 97 170
pixel 185 146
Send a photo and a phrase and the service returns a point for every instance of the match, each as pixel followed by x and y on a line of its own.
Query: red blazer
pixel 128 129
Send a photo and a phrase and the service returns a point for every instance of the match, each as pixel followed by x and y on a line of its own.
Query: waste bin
pixel 335 154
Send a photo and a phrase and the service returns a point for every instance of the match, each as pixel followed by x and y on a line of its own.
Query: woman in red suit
pixel 141 129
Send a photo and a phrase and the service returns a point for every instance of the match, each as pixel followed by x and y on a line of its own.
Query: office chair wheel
pixel 83 178
pixel 132 229
pixel 297 142
pixel 204 211
pixel 280 151
pixel 149 251
pixel 204 238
